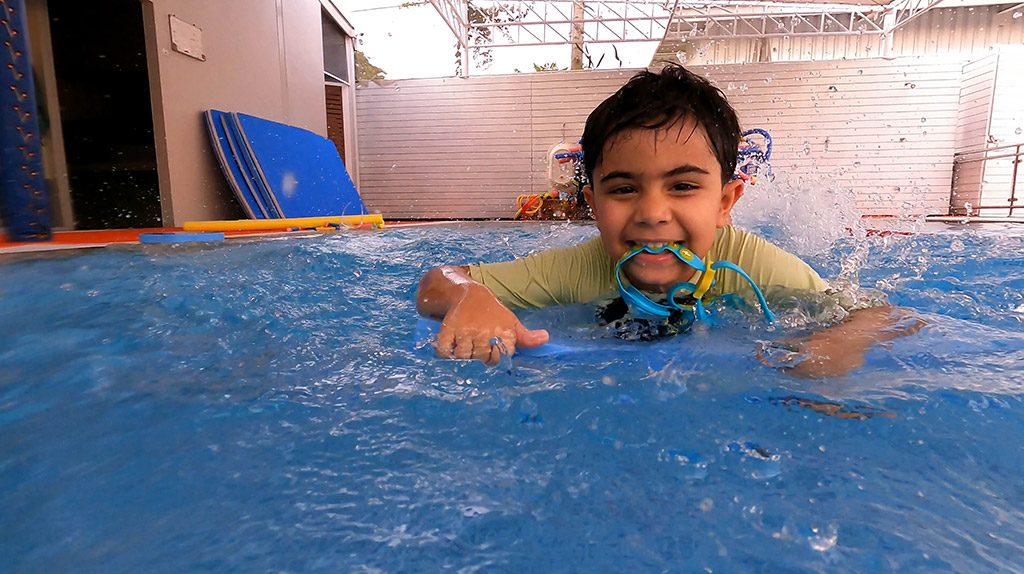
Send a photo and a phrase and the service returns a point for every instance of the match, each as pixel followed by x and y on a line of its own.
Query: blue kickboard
pixel 238 179
pixel 247 160
pixel 658 353
pixel 300 170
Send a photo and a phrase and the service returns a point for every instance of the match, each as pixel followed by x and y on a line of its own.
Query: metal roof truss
pixel 551 22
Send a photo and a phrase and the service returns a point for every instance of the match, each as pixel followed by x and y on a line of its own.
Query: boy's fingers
pixel 445 345
pixel 463 347
pixel 527 339
pixel 493 356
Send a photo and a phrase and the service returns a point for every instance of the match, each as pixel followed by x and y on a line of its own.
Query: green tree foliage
pixel 551 67
pixel 365 71
pixel 480 37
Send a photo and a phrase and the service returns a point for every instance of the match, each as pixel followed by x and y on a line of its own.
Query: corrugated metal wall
pixel 466 148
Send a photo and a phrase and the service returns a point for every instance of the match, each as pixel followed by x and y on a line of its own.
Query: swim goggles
pixel 642 306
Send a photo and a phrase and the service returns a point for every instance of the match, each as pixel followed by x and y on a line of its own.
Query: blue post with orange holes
pixel 24 205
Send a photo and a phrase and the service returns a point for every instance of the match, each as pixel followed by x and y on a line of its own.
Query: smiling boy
pixel 660 154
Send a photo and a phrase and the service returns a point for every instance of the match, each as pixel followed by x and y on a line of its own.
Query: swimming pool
pixel 259 406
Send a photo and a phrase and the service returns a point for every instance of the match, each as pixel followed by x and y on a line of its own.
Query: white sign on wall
pixel 187 38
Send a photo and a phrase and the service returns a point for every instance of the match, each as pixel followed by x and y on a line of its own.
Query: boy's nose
pixel 652 209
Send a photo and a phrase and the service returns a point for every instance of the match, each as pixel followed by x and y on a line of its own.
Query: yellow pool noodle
pixel 274 224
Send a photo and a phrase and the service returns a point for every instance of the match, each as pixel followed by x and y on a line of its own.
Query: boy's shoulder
pixel 766 263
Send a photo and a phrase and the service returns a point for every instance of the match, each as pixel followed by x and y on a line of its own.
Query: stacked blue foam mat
pixel 279 171
pixel 24 205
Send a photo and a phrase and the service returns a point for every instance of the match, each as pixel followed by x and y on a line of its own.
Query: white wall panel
pixel 1006 128
pixel 466 148
pixel 972 129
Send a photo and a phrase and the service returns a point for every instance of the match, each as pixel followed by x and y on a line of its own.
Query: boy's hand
pixel 475 324
pixel 839 349
pixel 480 327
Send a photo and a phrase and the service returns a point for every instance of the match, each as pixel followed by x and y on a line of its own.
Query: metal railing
pixel 1014 151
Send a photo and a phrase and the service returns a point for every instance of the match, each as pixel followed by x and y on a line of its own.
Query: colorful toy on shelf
pixel 754 157
pixel 565 179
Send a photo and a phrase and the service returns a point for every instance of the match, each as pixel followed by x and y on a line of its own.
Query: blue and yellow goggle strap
pixel 643 306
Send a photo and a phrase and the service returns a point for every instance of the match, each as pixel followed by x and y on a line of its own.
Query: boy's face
pixel 653 187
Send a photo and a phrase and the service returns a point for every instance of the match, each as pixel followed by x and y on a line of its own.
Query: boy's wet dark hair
pixel 658 100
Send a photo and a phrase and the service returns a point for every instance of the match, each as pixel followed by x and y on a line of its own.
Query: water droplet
pixel 1018 131
pixel 393 166
pixel 681 56
pixel 807 148
pixel 957 246
pixel 706 505
pixel 833 89
pixel 731 86
pixel 923 120
pixel 397 89
pixel 860 72
pixel 768 80
pixel 1017 15
pixel 856 164
pixel 743 88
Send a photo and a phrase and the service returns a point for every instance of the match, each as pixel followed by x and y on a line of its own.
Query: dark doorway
pixel 107 121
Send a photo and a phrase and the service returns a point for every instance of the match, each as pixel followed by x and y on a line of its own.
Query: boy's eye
pixel 622 189
pixel 683 186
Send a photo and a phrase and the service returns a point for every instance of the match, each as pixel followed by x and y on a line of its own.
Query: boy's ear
pixel 588 194
pixel 731 193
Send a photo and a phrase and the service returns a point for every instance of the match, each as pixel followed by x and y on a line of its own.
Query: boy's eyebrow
pixel 686 168
pixel 681 170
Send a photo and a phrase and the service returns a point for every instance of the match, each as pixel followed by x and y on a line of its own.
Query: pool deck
pixel 77 240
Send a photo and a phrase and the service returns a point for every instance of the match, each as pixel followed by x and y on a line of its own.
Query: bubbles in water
pixel 529 411
pixel 732 86
pixel 822 539
pixel 957 246
pixel 681 56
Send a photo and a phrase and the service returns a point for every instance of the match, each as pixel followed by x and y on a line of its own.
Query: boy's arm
pixel 471 317
pixel 839 349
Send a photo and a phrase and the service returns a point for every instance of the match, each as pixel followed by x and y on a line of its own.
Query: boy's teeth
pixel 651 245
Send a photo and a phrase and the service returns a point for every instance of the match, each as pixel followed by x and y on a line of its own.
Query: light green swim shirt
pixel 585 273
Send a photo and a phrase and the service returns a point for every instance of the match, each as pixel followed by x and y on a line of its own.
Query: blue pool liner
pixel 301 171
pixel 180 237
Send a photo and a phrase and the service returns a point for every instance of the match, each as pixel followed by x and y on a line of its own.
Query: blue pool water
pixel 260 407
